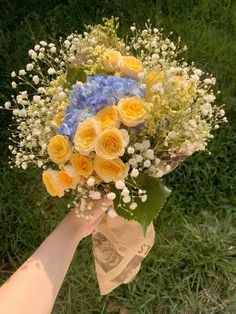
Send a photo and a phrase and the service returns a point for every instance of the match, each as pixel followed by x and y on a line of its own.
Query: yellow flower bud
pixel 111 143
pixel 86 136
pixel 150 79
pixel 130 66
pixel 132 110
pixel 108 117
pixel 82 165
pixel 57 121
pixel 52 183
pixel 110 60
pixel 111 170
pixel 68 177
pixel 59 149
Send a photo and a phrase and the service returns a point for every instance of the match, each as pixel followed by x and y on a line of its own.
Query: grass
pixel 192 267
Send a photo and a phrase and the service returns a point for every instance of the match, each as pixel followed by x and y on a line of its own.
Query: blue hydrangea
pixel 98 91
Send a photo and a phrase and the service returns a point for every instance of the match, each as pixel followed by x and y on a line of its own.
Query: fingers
pixel 99 209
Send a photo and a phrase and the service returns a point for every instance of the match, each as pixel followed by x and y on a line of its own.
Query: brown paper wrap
pixel 119 247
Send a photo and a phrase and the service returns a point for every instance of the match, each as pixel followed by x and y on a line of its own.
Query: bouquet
pixel 107 117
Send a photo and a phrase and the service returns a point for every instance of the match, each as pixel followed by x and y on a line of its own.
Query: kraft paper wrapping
pixel 119 247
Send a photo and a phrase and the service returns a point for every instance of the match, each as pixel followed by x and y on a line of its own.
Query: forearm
pixel 34 286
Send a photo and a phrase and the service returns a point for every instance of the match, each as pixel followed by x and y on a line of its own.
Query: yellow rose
pixel 132 110
pixel 59 149
pixel 130 66
pixel 68 177
pixel 150 79
pixel 52 183
pixel 86 136
pixel 108 117
pixel 57 121
pixel 111 143
pixel 82 165
pixel 110 60
pixel 110 170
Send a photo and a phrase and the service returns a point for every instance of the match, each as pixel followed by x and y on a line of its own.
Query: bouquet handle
pixel 119 247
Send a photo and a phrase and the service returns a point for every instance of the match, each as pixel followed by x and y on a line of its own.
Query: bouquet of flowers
pixel 104 117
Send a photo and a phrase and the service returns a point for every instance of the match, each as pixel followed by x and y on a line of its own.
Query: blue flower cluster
pixel 98 91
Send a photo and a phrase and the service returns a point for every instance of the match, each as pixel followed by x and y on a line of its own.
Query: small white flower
pixel 61 95
pixel 207 81
pixel 168 167
pixel 194 78
pixel 24 165
pixel 15 112
pixel 22 72
pixel 29 66
pixel 41 90
pixel 222 112
pixel 111 196
pixel 159 174
pixel 138 146
pixel 155 57
pixel 133 28
pixel 51 71
pixel 36 47
pixel 43 43
pixel 67 43
pixel 40 163
pixel 53 49
pixel 147 163
pixel 35 79
pixel 144 32
pixel 120 185
pixel 157 161
pixel 198 72
pixel 210 98
pixel 130 150
pixel 138 158
pixel 112 213
pixel 213 81
pixel 136 46
pixel 36 99
pixel 33 54
pixel 91 181
pixel 133 206
pixel 144 198
pixel 134 173
pixel 154 44
pixel 95 195
pixel 150 154
pixel 125 192
pixel 13 74
pixel 14 85
pixel 7 105
pixel 126 199
pixel 146 144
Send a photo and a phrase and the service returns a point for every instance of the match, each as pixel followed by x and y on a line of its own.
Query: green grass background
pixel 192 267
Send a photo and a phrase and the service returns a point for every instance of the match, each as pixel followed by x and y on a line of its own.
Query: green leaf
pixel 75 74
pixel 145 212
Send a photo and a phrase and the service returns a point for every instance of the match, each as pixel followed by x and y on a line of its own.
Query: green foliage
pixel 192 267
pixel 75 74
pixel 146 211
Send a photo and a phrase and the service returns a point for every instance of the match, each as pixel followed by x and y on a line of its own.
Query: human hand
pixel 85 227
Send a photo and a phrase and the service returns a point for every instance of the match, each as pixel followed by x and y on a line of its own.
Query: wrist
pixel 73 226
